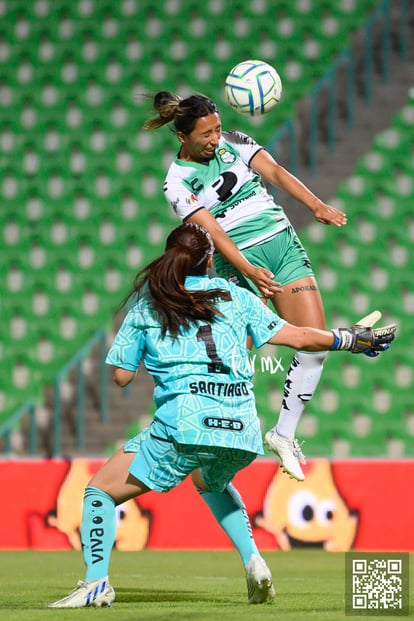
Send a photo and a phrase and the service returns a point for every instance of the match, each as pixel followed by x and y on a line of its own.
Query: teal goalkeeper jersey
pixel 230 189
pixel 203 387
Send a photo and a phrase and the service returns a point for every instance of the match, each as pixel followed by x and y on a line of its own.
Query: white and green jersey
pixel 232 191
pixel 203 387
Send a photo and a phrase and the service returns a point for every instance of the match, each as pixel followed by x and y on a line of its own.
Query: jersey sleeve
pixel 262 323
pixel 245 145
pixel 181 198
pixel 129 343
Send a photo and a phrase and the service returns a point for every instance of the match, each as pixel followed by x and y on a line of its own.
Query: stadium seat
pixel 82 205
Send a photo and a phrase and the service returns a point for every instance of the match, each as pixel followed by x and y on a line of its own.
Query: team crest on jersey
pixel 226 156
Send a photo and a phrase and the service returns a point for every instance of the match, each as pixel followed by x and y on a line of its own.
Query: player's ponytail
pixel 188 249
pixel 183 112
pixel 166 104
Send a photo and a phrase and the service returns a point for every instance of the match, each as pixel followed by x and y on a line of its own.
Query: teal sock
pixel 230 512
pixel 97 532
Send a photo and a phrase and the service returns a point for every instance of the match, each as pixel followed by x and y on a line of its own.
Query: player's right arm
pixel 303 338
pixel 265 326
pixel 261 276
pixel 361 338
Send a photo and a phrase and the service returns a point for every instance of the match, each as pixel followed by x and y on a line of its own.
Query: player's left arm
pixel 273 173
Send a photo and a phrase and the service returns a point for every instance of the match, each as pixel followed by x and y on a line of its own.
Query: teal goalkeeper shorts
pixel 162 464
pixel 283 255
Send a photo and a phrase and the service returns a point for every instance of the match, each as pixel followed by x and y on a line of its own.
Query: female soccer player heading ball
pixel 216 181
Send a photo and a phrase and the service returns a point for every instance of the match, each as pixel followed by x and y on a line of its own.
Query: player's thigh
pixel 114 478
pixel 158 461
pixel 219 467
pixel 300 303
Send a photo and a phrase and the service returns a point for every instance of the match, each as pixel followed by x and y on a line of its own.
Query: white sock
pixel 301 381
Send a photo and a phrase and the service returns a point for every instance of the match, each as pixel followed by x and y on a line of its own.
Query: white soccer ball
pixel 253 87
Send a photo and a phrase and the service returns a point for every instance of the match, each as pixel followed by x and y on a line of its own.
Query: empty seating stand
pixel 81 188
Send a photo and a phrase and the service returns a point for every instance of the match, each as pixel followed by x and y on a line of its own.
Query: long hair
pixel 187 250
pixel 183 112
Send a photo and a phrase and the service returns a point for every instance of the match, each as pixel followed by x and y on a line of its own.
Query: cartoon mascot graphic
pixel 309 514
pixel 132 523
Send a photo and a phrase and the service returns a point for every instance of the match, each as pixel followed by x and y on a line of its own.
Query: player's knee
pixel 311 358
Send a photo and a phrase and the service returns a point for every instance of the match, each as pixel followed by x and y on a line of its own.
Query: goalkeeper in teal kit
pixel 191 333
pixel 203 390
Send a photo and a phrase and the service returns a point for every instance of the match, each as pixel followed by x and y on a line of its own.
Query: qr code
pixel 377 584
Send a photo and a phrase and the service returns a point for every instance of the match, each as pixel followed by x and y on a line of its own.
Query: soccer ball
pixel 253 87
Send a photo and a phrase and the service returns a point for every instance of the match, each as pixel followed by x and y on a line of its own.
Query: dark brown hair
pixel 187 250
pixel 183 112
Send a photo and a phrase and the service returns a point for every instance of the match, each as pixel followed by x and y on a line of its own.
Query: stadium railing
pixel 76 364
pixel 74 368
pixel 14 422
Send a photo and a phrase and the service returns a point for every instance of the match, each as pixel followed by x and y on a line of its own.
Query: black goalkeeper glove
pixel 363 339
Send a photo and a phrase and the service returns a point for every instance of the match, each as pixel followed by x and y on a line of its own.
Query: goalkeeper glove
pixel 363 339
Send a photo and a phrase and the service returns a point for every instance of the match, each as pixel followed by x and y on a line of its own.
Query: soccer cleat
pixel 289 452
pixel 259 581
pixel 92 593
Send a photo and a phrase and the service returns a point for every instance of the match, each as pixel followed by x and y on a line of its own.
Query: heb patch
pixel 231 424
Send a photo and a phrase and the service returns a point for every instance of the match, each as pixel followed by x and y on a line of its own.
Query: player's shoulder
pixel 175 171
pixel 140 312
pixel 215 282
pixel 174 179
pixel 236 137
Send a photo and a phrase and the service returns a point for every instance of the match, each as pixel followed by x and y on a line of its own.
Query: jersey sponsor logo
pixel 190 199
pixel 226 156
pixel 219 389
pixel 230 424
pixel 223 213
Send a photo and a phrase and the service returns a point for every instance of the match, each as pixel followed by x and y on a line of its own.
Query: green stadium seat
pixel 21 382
pixel 82 186
pixel 374 165
pixel 373 445
pixel 404 118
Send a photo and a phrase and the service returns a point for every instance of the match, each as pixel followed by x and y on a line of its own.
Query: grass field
pixel 158 586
